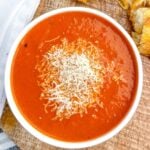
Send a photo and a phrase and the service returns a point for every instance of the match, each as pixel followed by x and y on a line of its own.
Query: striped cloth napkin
pixel 6 143
pixel 14 15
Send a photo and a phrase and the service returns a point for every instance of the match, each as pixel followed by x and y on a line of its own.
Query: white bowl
pixel 53 141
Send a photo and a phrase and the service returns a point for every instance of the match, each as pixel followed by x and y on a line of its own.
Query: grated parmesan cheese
pixel 71 77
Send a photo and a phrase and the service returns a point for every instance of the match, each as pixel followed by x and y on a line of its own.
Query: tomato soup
pixel 74 76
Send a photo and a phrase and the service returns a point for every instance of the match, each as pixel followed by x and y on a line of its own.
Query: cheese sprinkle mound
pixel 70 77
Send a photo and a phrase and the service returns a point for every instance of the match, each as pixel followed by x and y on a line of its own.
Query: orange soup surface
pixel 74 76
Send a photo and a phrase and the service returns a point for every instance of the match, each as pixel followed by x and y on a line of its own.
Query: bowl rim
pixel 51 140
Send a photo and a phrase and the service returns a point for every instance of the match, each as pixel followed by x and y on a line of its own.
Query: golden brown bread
pixel 136 37
pixel 139 13
pixel 125 3
pixel 144 45
pixel 133 4
pixel 83 1
pixel 138 3
pixel 139 17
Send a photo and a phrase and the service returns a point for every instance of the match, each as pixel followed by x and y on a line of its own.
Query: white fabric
pixel 14 15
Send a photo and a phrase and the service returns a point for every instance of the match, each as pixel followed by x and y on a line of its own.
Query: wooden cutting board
pixel 136 135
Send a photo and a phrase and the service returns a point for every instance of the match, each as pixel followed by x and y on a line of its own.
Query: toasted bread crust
pixel 139 14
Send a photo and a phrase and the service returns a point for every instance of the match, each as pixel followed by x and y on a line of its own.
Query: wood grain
pixel 136 135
